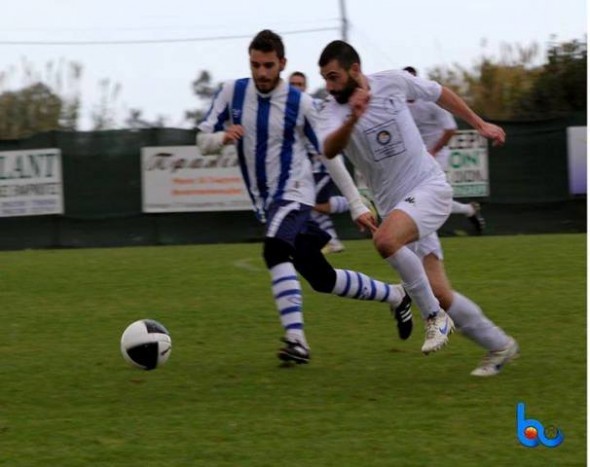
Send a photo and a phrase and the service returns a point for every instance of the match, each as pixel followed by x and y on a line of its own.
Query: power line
pixel 374 46
pixel 192 27
pixel 161 41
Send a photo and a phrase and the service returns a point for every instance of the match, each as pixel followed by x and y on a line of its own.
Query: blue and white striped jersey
pixel 317 165
pixel 278 127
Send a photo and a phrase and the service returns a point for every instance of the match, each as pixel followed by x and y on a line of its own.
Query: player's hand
pixel 493 132
pixel 366 222
pixel 233 134
pixel 359 101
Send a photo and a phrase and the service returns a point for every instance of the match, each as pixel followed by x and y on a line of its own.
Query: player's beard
pixel 344 94
pixel 267 84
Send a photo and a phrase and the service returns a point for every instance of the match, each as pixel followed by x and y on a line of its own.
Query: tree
pixel 104 114
pixel 493 86
pixel 204 88
pixel 561 85
pixel 44 103
pixel 136 121
pixel 515 87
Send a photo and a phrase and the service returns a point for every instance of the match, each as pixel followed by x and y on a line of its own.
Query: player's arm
pixel 443 141
pixel 453 103
pixel 418 88
pixel 336 141
pixel 341 177
pixel 213 132
pixel 334 165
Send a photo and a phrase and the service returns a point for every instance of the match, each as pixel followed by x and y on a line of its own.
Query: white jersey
pixel 278 127
pixel 385 145
pixel 432 121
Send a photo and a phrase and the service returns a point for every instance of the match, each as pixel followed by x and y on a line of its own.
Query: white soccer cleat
pixel 438 329
pixel 493 361
pixel 333 246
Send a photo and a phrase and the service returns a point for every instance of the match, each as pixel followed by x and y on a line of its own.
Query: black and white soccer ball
pixel 146 344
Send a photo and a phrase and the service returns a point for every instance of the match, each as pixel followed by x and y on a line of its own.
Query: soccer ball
pixel 146 344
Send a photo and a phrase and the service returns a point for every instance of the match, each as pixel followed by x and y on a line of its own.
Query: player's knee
pixel 385 243
pixel 315 269
pixel 276 251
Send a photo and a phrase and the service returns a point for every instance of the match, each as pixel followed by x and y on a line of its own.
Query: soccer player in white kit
pixel 271 124
pixel 367 118
pixel 437 127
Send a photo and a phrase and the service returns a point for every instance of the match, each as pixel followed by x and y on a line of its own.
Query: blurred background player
pixel 327 200
pixel 437 127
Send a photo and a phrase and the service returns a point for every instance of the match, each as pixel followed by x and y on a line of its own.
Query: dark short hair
pixel 268 41
pixel 412 70
pixel 341 51
pixel 298 73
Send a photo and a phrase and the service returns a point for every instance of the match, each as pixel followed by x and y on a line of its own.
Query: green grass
pixel 67 398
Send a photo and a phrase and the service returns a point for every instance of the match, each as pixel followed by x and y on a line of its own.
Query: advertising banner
pixel 468 165
pixel 577 145
pixel 181 179
pixel 31 183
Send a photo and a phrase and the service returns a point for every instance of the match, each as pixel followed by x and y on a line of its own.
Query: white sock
pixel 357 285
pixel 462 208
pixel 338 204
pixel 414 280
pixel 286 291
pixel 297 335
pixel 471 321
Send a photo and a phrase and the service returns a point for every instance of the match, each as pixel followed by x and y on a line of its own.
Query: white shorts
pixel 429 205
pixel 426 246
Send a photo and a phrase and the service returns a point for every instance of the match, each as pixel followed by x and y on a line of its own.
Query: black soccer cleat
pixel 293 351
pixel 477 220
pixel 403 316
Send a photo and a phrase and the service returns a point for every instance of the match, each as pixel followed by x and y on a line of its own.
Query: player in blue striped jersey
pixel 271 123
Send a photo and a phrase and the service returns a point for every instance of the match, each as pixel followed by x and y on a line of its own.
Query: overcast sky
pixel 156 77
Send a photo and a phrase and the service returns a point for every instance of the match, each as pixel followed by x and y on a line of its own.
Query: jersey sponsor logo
pixel 410 200
pixel 383 137
pixel 236 114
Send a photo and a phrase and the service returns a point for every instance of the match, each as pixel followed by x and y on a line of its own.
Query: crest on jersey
pixel 236 114
pixel 383 137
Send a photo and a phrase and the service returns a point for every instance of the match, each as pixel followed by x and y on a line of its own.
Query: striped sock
pixel 325 223
pixel 357 285
pixel 286 290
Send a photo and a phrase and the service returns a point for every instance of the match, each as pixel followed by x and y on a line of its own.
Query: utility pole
pixel 344 21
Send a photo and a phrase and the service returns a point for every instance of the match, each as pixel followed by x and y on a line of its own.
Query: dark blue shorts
pixel 324 187
pixel 288 219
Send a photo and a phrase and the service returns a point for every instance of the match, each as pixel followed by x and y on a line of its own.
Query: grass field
pixel 67 398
